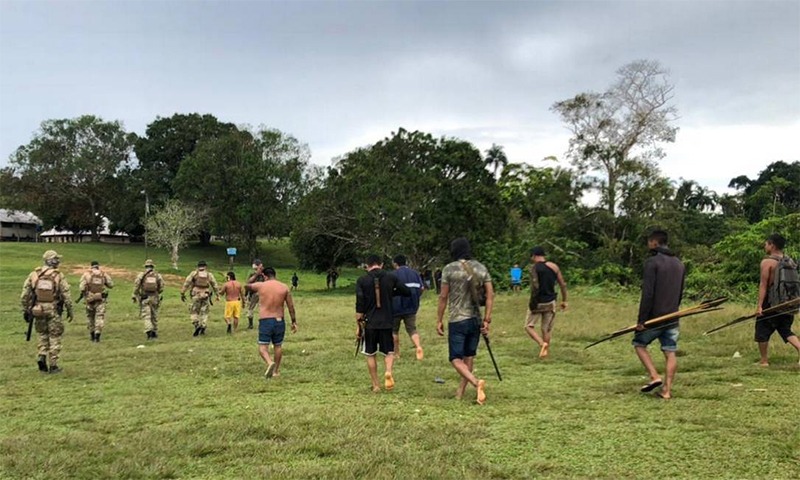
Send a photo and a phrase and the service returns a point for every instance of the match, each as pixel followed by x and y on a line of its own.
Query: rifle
pixel 359 336
pixel 491 355
pixel 771 312
pixel 668 319
pixel 28 316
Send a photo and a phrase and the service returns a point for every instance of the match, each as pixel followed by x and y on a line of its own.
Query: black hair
pixel 460 249
pixel 269 272
pixel 777 240
pixel 400 260
pixel 232 275
pixel 660 236
pixel 373 260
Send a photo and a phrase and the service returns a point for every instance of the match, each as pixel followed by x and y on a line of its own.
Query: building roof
pixel 104 231
pixel 18 216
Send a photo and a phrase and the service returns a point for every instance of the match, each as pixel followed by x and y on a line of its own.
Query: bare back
pixel 272 294
pixel 231 289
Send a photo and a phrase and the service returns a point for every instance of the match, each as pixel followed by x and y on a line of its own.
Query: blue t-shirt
pixel 407 305
pixel 516 275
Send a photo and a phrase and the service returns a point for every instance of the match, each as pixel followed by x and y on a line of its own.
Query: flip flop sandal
pixel 651 386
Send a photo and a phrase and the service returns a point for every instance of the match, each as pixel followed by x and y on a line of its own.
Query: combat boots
pixel 196 331
pixel 42 362
pixel 54 369
pixel 229 328
pixel 92 334
pixel 97 337
pixel 249 323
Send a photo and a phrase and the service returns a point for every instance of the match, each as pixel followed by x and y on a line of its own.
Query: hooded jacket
pixel 662 284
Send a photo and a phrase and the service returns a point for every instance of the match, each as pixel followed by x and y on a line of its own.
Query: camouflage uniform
pixel 93 287
pixel 147 289
pixel 201 296
pixel 47 314
pixel 252 297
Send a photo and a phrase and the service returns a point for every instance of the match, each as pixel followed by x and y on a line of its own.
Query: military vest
pixel 201 279
pixel 97 282
pixel 150 283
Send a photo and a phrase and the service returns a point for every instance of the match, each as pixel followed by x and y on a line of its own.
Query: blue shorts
pixel 271 330
pixel 463 338
pixel 667 337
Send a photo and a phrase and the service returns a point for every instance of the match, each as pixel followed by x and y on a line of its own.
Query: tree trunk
pixel 175 256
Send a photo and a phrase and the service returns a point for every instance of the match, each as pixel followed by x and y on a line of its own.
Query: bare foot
pixel 762 364
pixel 460 391
pixel 481 392
pixel 270 370
pixel 420 353
pixel 545 350
pixel 276 374
pixel 388 381
pixel 664 395
pixel 376 389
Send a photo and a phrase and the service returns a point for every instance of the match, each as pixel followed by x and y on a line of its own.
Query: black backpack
pixel 786 284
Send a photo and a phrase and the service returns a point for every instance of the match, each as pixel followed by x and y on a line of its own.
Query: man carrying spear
pixel 662 290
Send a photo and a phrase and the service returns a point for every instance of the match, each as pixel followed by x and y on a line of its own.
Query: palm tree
pixel 496 157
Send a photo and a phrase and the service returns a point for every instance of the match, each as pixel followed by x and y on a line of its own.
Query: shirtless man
pixel 234 299
pixel 272 294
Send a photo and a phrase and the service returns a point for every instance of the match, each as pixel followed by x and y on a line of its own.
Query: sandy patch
pixel 116 274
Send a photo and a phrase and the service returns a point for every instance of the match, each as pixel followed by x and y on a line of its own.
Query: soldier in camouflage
pixel 252 297
pixel 93 287
pixel 45 295
pixel 201 285
pixel 147 289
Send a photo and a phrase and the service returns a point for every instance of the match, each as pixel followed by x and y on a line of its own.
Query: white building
pixel 18 226
pixel 65 236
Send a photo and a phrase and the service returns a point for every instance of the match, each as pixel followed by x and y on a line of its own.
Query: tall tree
pixel 167 142
pixel 539 192
pixel 496 159
pixel 408 193
pixel 617 132
pixel 248 182
pixel 775 192
pixel 68 173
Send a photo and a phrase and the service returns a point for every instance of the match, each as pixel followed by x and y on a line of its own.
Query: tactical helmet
pixel 202 263
pixel 95 263
pixel 149 263
pixel 51 255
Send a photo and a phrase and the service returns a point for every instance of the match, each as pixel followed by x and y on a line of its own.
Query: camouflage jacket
pixel 63 297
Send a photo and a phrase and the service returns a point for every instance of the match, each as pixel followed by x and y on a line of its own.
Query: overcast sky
pixel 339 75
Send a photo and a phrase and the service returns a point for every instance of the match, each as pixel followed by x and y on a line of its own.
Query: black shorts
pixel 781 324
pixel 378 340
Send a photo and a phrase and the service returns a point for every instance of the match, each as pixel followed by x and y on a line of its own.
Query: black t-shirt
pixel 547 283
pixel 366 303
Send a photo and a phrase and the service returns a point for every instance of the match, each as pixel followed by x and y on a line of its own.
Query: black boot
pixel 97 337
pixel 92 335
pixel 202 330
pixel 249 323
pixel 196 331
pixel 54 369
pixel 155 334
pixel 42 362
pixel 229 328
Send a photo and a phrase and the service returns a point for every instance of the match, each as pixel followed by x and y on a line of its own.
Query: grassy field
pixel 187 407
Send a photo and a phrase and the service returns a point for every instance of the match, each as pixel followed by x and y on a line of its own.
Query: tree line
pixel 412 192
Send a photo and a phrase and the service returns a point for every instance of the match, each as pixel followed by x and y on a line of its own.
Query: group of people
pixel 388 300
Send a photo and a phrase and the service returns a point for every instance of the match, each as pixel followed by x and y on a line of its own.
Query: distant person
pixel 404 309
pixel 93 285
pixel 662 291
pixel 465 324
pixel 234 297
pixel 45 297
pixel 272 295
pixel 437 280
pixel 427 277
pixel 295 280
pixel 252 297
pixel 147 289
pixel 374 293
pixel 516 278
pixel 200 284
pixel 334 277
pixel 542 305
pixel 771 294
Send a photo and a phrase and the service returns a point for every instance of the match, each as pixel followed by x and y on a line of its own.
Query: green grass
pixel 185 407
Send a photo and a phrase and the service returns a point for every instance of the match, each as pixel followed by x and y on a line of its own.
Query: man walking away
pixel 374 292
pixel 542 304
pixel 45 296
pixel 662 291
pixel 778 285
pixel 295 280
pixel 460 279
pixel 516 278
pixel 93 287
pixel 252 297
pixel 234 297
pixel 404 309
pixel 200 284
pixel 147 289
pixel 272 295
